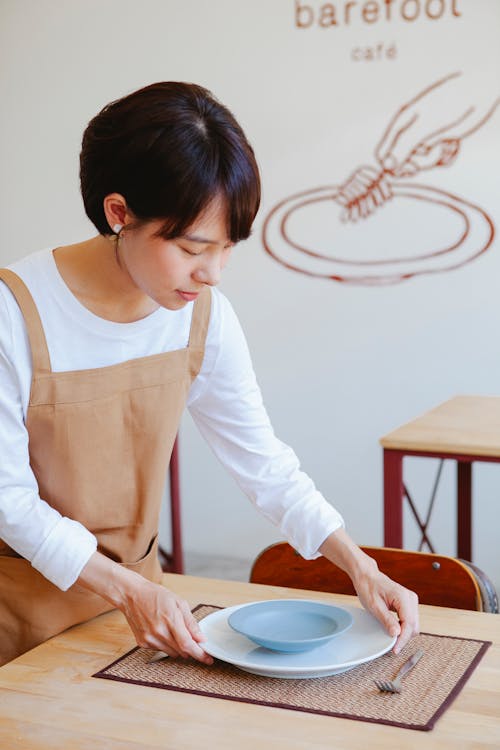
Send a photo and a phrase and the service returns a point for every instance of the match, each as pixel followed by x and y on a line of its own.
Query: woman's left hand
pixel 392 604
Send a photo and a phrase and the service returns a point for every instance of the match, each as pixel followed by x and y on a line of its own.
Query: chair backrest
pixel 437 579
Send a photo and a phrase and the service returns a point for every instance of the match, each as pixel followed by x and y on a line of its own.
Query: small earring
pixel 117 228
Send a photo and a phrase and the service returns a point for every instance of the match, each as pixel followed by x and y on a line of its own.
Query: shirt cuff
pixel 306 528
pixel 64 553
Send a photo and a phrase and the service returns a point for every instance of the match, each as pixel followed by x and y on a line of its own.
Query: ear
pixel 116 210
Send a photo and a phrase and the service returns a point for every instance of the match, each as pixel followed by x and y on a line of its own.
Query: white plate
pixel 364 641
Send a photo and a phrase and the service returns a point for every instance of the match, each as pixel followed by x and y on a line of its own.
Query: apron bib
pixel 100 442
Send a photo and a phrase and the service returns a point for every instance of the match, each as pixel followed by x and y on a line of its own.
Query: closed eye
pixel 190 252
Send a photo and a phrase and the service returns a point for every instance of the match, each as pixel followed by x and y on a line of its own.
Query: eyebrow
pixel 196 238
pixel 203 240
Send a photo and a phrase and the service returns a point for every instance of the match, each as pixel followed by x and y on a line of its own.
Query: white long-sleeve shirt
pixel 224 401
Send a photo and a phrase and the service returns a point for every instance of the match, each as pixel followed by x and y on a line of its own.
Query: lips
pixel 188 296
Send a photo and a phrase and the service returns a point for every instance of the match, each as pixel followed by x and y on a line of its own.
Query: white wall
pixel 339 365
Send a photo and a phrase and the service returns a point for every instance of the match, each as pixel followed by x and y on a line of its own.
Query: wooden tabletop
pixel 50 701
pixel 466 425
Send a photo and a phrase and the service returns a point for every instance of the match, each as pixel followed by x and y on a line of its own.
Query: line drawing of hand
pixel 365 190
pixel 424 133
pixel 427 130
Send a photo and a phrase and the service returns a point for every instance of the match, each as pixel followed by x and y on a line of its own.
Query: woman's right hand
pixel 161 620
pixel 158 618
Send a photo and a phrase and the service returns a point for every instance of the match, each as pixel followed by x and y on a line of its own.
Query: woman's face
pixel 173 272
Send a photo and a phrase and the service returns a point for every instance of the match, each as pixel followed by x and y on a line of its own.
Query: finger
pixel 385 188
pixel 422 149
pixel 352 189
pixel 353 213
pixel 160 636
pixel 191 622
pixel 179 632
pixel 376 197
pixel 191 648
pixel 196 633
pixel 342 198
pixel 389 163
pixel 409 624
pixel 160 646
pixel 366 176
pixel 386 617
pixel 151 640
pixel 362 207
pixel 402 138
pixel 408 630
pixel 179 650
pixel 184 640
pixel 408 169
pixel 450 150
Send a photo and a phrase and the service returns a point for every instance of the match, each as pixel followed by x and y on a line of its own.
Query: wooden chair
pixel 437 579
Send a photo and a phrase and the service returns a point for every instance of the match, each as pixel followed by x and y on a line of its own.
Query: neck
pixel 95 273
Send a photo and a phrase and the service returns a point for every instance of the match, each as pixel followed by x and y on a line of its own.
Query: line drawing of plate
pixel 423 133
pixel 473 240
pixel 364 641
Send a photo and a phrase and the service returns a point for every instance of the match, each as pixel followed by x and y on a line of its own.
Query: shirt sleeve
pixel 56 546
pixel 226 405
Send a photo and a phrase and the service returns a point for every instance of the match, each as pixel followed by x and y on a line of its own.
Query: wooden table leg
pixel 393 498
pixel 464 510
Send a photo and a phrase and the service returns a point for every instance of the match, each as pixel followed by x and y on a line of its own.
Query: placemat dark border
pixel 101 674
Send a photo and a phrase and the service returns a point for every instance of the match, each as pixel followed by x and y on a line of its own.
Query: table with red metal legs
pixel 465 429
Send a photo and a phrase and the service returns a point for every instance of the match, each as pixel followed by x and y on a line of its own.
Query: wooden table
pixel 465 429
pixel 49 701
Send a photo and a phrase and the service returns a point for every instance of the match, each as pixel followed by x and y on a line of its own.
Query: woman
pixel 102 344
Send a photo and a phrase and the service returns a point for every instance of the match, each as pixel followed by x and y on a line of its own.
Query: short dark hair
pixel 170 149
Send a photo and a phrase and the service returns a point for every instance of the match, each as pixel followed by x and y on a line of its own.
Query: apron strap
pixel 38 343
pixel 200 320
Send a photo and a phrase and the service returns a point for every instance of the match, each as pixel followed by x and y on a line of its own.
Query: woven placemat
pixel 428 690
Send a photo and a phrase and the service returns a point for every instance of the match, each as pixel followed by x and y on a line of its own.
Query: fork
pixel 394 686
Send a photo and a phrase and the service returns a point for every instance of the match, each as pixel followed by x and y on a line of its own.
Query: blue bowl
pixel 290 625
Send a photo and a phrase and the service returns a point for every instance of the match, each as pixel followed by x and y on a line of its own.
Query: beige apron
pixel 99 443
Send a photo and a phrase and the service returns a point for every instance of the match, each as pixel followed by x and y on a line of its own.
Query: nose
pixel 210 270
